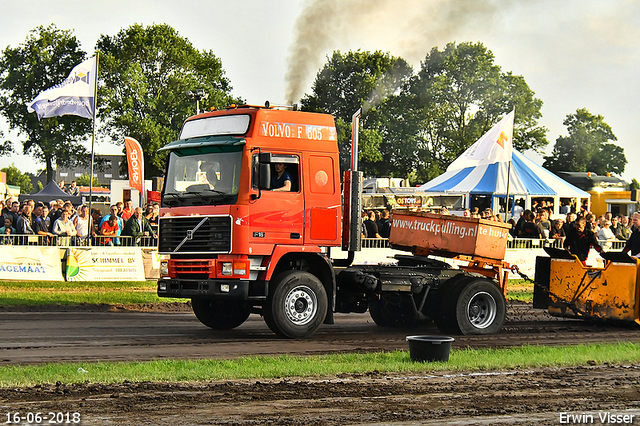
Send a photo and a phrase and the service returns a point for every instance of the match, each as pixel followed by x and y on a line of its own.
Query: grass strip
pixel 38 293
pixel 34 293
pixel 77 298
pixel 264 367
pixel 520 290
pixel 77 285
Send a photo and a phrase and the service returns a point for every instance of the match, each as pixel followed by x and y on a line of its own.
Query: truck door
pixel 322 200
pixel 278 217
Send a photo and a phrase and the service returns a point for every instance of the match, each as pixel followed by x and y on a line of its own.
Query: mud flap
pixel 541 299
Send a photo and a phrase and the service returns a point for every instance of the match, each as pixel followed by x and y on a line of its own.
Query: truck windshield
pixel 204 176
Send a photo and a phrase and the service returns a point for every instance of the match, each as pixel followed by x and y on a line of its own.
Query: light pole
pixel 198 95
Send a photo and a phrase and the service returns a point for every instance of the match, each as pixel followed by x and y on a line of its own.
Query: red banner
pixel 153 196
pixel 136 164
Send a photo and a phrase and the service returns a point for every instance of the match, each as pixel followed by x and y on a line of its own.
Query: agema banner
pixel 30 263
pixel 135 162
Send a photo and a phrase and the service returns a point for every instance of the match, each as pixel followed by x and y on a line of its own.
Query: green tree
pixel 587 148
pixel 419 124
pixel 43 60
pixel 460 94
pixel 83 180
pixel 146 73
pixel 352 80
pixel 17 178
pixel 6 147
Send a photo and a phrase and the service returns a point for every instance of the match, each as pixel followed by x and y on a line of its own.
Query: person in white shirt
pixel 605 235
pixel 64 229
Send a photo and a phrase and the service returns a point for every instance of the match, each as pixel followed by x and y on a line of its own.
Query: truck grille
pixel 195 234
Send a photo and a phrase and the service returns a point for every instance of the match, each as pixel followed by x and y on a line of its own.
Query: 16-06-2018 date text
pixel 50 418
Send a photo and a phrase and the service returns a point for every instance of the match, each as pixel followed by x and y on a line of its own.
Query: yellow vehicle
pixel 567 288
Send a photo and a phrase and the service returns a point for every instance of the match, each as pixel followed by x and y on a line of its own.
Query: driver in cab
pixel 281 181
pixel 211 178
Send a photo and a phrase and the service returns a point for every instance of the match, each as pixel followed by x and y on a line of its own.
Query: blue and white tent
pixel 527 180
pixel 483 171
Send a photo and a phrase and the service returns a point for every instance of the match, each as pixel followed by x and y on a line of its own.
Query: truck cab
pixel 230 239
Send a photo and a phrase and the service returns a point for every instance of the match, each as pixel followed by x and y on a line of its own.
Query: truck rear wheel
pixel 472 306
pixel 220 315
pixel 297 306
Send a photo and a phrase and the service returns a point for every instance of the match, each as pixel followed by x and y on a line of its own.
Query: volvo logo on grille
pixel 190 234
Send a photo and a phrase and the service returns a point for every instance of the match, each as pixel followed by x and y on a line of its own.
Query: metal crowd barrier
pixel 516 243
pixel 63 241
pixel 149 241
pixel 375 243
pixel 531 243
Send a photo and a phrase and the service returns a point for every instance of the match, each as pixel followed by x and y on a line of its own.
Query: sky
pixel 572 53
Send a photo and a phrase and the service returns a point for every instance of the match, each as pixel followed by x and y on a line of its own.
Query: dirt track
pixel 507 397
pixel 531 397
pixel 93 333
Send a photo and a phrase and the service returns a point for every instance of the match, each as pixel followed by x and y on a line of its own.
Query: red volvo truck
pixel 235 246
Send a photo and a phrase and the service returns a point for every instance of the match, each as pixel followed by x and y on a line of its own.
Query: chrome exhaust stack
pixel 351 218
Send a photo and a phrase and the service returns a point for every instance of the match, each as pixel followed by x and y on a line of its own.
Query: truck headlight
pixel 164 267
pixel 227 268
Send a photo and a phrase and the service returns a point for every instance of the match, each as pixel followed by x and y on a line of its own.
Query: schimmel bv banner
pixel 105 264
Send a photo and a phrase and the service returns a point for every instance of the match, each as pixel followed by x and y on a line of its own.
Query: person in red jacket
pixel 127 212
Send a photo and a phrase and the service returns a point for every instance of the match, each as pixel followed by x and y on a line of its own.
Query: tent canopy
pixel 528 179
pixel 51 192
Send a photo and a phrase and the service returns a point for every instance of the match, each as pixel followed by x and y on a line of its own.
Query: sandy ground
pixel 525 397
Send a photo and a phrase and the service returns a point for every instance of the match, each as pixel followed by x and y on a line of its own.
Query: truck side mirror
pixel 264 158
pixel 261 175
pixel 264 175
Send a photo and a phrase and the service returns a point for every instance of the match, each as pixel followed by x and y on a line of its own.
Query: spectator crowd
pixel 576 232
pixel 60 223
pixel 606 229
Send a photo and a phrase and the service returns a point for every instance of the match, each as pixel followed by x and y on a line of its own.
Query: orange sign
pixel 447 235
pixel 135 161
pixel 407 201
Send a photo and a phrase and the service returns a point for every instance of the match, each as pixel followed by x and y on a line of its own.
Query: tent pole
pixel 93 140
pixel 508 215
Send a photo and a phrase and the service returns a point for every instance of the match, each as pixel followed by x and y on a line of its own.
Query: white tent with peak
pixel 491 168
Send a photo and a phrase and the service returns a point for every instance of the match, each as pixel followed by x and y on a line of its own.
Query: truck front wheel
pixel 296 305
pixel 220 315
pixel 472 306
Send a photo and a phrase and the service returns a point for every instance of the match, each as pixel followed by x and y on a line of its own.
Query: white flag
pixel 495 146
pixel 74 96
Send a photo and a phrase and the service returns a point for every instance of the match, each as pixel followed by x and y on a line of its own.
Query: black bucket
pixel 429 348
